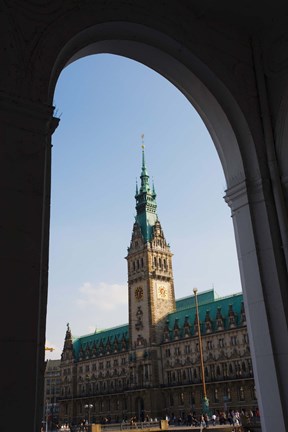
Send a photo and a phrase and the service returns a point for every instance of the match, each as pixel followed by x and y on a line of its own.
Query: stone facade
pixel 151 366
pixel 52 382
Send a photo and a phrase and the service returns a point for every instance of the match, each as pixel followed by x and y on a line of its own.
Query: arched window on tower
pixel 160 263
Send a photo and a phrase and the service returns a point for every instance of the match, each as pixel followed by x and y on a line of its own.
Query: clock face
pixel 162 292
pixel 139 293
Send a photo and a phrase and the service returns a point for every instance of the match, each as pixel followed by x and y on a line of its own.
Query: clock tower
pixel 150 275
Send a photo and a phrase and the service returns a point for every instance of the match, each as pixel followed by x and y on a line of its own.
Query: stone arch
pixel 219 109
pixel 209 96
pixel 175 40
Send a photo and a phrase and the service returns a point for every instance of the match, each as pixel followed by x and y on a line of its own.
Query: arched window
pixel 241 394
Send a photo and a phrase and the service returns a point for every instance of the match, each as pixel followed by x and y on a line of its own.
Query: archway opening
pixel 105 103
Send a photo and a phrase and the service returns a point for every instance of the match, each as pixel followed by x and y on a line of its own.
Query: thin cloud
pixel 105 296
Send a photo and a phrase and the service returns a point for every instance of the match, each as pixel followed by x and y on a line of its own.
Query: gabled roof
pixel 99 338
pixel 186 311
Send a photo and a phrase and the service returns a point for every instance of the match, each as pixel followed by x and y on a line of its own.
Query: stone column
pixel 25 161
pixel 263 279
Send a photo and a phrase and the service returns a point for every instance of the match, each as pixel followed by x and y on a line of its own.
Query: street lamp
pixel 89 406
pixel 205 401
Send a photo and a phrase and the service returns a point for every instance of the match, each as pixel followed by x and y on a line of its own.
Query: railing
pixel 124 426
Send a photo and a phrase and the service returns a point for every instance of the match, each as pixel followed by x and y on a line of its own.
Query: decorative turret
pixel 67 353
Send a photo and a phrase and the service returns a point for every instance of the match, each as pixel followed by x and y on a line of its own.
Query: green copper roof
pixel 146 205
pixel 105 341
pixel 100 338
pixel 186 310
pixel 188 302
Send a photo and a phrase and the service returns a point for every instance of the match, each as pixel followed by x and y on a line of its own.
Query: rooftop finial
pixel 144 170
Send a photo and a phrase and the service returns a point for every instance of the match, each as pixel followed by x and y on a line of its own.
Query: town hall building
pixel 151 366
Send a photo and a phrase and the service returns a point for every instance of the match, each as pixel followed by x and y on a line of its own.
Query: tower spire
pixel 145 187
pixel 145 201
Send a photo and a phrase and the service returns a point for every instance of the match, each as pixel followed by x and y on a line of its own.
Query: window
pixel 228 394
pixel 169 377
pixel 167 352
pixel 177 351
pixel 87 368
pixel 94 367
pixel 108 364
pixel 233 340
pixel 216 398
pixel 221 343
pixel 187 349
pixel 209 345
pixel 101 365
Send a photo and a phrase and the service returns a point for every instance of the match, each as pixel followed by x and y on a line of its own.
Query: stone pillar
pixel 263 279
pixel 25 148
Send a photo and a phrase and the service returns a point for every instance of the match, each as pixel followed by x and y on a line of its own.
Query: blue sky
pixel 106 102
